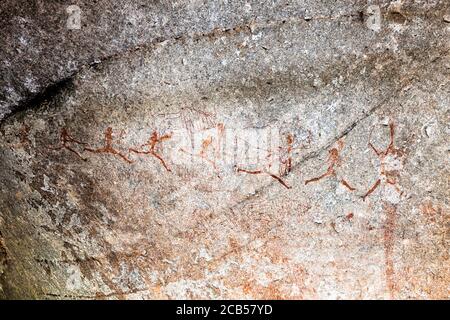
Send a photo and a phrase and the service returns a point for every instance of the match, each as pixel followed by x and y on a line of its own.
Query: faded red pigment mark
pixel 220 138
pixel 277 178
pixel 186 116
pixel 288 161
pixel 202 154
pixel 66 142
pixel 333 225
pixel 372 189
pixel 390 150
pixel 389 233
pixel 429 211
pixel 333 162
pixel 108 146
pixel 208 144
pixel 286 158
pixel 151 145
pixel 206 115
pixel 345 184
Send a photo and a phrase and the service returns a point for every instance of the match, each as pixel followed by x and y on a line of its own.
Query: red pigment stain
pixel 108 146
pixel 209 144
pixel 390 150
pixel 333 158
pixel 372 189
pixel 389 230
pixel 347 185
pixel 66 142
pixel 277 178
pixel 206 143
pixel 429 211
pixel 288 161
pixel 333 162
pixel 202 154
pixel 151 145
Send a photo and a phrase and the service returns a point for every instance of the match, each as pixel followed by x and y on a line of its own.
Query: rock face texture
pixel 205 149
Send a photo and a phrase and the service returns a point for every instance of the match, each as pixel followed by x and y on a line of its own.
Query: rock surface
pixel 282 150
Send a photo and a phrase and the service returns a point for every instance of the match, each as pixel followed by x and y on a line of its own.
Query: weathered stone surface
pixel 38 51
pixel 102 196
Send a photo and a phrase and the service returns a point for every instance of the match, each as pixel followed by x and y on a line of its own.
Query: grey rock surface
pixel 126 155
pixel 39 52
